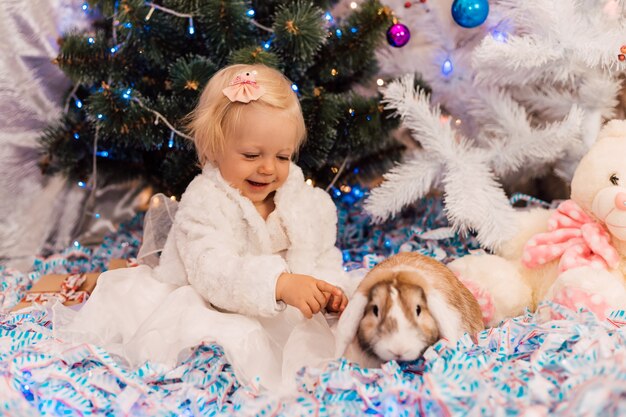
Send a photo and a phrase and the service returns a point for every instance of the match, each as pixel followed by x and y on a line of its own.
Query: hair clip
pixel 244 88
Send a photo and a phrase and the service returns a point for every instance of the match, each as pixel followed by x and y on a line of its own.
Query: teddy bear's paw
pixel 577 299
pixel 596 290
pixel 484 298
pixel 492 280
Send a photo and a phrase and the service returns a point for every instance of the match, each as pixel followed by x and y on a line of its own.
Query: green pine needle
pixel 254 55
pixel 84 58
pixel 225 26
pixel 299 30
pixel 191 73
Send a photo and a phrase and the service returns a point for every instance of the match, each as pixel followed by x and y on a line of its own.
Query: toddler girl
pixel 249 262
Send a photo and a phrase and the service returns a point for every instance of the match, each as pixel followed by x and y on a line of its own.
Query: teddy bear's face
pixel 599 184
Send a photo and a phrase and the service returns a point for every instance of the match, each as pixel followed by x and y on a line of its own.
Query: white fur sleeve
pixel 210 249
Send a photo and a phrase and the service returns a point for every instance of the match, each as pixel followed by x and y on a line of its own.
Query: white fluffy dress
pixel 220 249
pixel 133 315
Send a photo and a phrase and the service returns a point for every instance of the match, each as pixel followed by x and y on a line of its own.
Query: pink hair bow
pixel 575 238
pixel 243 88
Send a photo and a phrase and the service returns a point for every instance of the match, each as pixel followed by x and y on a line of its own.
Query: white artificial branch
pixel 474 199
pixel 425 123
pixel 554 32
pixel 402 185
pixel 514 143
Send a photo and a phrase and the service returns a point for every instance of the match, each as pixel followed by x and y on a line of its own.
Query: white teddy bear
pixel 574 255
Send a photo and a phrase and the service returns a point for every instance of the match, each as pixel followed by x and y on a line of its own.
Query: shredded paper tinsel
pixel 553 362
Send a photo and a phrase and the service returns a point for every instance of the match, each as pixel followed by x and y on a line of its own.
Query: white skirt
pixel 141 319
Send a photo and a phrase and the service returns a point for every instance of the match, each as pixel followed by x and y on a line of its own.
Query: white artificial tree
pixel 526 92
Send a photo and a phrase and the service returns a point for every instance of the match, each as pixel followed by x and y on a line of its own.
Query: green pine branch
pixel 348 57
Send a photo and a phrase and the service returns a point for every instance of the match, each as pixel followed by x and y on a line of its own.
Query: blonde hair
pixel 216 116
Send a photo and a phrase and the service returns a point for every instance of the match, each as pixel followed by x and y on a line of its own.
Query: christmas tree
pixel 142 68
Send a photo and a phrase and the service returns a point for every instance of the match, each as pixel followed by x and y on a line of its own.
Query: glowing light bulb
pixel 447 68
pixel 499 35
pixel 192 30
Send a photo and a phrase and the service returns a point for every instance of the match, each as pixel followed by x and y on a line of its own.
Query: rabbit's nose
pixel 398 352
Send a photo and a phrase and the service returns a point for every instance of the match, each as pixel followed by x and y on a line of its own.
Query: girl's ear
pixel 349 323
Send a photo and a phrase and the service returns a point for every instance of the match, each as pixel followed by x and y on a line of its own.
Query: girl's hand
pixel 336 304
pixel 305 292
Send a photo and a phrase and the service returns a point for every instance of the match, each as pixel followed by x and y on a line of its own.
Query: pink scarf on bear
pixel 575 238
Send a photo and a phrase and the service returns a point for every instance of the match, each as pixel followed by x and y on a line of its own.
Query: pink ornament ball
pixel 398 35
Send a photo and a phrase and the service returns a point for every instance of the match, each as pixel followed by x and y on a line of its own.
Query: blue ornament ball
pixel 398 35
pixel 470 13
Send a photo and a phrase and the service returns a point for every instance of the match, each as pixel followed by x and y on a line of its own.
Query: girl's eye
pixel 284 158
pixel 250 155
pixel 614 179
pixel 418 310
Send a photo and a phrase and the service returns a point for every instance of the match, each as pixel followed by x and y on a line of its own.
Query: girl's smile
pixel 258 186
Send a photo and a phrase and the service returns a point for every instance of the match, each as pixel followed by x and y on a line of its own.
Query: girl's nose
pixel 620 201
pixel 267 167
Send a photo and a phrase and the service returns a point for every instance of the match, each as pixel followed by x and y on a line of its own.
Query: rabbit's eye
pixel 418 310
pixel 614 179
pixel 375 310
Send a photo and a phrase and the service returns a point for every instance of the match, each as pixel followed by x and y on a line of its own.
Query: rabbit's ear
pixel 447 318
pixel 349 323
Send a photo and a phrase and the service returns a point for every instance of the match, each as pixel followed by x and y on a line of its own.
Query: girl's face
pixel 257 154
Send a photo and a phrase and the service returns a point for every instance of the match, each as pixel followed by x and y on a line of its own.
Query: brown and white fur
pixel 402 306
